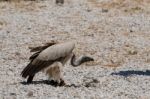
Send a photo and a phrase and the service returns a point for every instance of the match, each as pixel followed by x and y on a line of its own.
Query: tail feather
pixel 26 70
pixel 30 78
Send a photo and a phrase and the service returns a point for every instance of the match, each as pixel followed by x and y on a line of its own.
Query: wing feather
pixel 56 51
pixel 32 69
pixel 41 48
pixel 32 57
pixel 35 66
pixel 45 58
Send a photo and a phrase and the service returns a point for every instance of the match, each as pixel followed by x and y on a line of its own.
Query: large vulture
pixel 51 58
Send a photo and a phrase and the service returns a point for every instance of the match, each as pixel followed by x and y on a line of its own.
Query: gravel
pixel 116 33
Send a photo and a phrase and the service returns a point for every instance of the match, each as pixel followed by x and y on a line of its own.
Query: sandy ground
pixel 116 33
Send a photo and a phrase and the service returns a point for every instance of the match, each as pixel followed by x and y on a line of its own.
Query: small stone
pixel 95 81
pixel 13 94
pixel 8 31
pixel 29 28
pixel 131 30
pixel 132 52
pixel 87 85
pixel 30 94
pixel 89 10
pixel 17 53
pixel 104 10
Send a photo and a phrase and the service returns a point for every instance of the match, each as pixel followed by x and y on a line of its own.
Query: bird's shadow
pixel 47 82
pixel 132 72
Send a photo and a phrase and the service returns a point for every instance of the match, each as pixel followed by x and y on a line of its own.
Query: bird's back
pixel 56 51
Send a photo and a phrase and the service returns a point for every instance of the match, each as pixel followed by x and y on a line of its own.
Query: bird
pixel 51 59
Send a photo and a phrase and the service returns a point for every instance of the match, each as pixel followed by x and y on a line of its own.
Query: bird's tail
pixel 26 70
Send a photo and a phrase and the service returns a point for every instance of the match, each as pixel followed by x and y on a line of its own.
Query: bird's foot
pixel 62 82
pixel 56 83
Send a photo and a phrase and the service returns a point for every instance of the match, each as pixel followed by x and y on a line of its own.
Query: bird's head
pixel 87 59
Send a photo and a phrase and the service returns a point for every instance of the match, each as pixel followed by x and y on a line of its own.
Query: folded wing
pixel 45 58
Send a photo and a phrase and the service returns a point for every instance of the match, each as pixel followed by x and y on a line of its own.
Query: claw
pixel 62 83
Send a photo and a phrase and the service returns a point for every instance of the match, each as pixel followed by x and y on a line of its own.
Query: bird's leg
pixel 58 72
pixel 62 82
pixel 55 72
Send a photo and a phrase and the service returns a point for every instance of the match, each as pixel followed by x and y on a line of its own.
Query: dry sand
pixel 115 32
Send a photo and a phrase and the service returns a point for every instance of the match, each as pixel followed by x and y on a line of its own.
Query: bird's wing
pixel 35 66
pixel 41 48
pixel 56 51
pixel 47 57
pixel 33 56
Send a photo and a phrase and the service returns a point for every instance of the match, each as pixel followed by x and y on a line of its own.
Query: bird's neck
pixel 76 62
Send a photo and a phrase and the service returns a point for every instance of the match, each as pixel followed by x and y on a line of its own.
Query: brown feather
pixel 35 66
pixel 33 56
pixel 31 68
pixel 41 48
